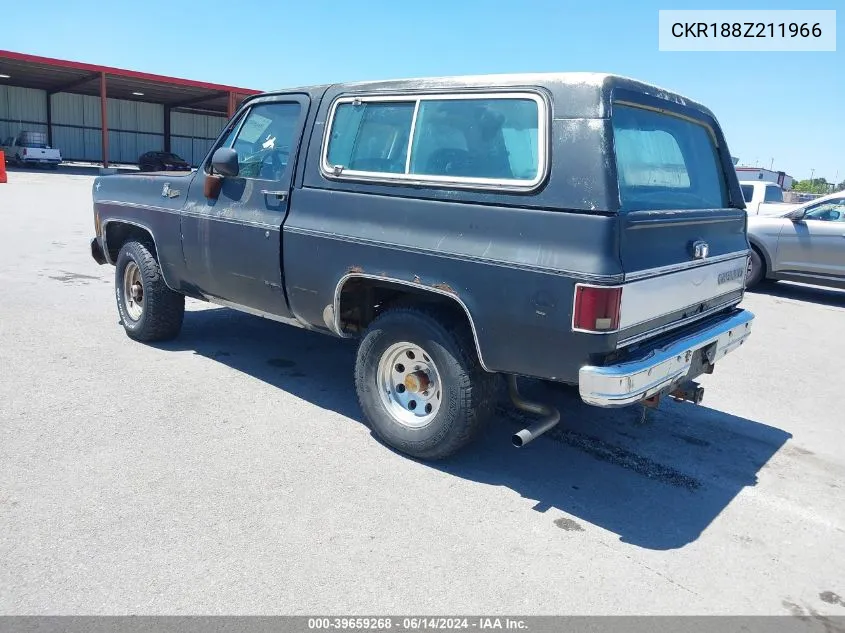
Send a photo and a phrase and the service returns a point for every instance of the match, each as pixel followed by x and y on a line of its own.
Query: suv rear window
pixel 665 162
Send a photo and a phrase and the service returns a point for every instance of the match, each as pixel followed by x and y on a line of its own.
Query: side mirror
pixel 796 216
pixel 225 162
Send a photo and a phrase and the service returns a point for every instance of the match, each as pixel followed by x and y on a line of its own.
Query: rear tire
pixel 149 310
pixel 443 395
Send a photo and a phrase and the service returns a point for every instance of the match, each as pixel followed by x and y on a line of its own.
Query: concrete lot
pixel 229 471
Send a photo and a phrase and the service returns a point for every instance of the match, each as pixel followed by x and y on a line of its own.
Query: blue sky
pixel 789 107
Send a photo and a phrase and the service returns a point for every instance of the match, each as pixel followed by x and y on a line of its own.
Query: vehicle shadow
pixel 800 292
pixel 656 483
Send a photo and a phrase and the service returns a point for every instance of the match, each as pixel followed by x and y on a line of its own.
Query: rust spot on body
pixel 355 269
pixel 444 287
pixel 417 279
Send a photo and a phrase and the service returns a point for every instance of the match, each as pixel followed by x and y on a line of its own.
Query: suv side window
pixel 747 192
pixel 773 194
pixel 829 211
pixel 476 138
pixel 263 140
pixel 371 137
pixel 471 140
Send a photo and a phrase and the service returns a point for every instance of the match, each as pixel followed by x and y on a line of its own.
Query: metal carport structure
pixel 116 89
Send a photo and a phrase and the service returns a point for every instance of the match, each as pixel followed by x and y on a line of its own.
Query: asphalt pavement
pixel 229 471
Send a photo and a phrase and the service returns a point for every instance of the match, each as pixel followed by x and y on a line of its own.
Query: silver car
pixel 806 244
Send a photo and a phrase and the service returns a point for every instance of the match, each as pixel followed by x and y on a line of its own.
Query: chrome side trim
pixel 629 382
pixel 674 325
pixel 512 184
pixel 339 288
pixel 217 218
pixel 672 268
pixel 242 308
pixel 105 222
pixel 135 205
pixel 469 258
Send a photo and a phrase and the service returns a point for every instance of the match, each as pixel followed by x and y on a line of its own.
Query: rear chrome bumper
pixel 660 368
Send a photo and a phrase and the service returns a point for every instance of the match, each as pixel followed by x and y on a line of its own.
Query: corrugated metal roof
pixel 59 75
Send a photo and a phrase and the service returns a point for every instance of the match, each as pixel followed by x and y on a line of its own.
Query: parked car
pixel 764 198
pixel 162 161
pixel 462 229
pixel 31 149
pixel 806 244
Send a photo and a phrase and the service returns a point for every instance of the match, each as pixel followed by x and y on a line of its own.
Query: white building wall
pixel 761 174
pixel 134 127
pixel 21 109
pixel 192 135
pixel 76 126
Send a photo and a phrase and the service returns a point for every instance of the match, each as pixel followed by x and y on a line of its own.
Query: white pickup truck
pixel 30 148
pixel 764 198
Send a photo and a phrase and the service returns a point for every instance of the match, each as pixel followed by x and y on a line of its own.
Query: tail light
pixel 597 308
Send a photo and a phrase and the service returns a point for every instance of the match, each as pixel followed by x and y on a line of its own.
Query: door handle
pixel 279 195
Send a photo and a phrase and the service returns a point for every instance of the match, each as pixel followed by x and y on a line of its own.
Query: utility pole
pixel 772 165
pixel 812 172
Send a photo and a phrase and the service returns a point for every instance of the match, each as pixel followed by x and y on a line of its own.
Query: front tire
pixel 149 310
pixel 756 269
pixel 420 384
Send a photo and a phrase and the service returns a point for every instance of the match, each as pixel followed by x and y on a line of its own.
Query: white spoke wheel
pixel 133 291
pixel 410 384
pixel 149 310
pixel 420 384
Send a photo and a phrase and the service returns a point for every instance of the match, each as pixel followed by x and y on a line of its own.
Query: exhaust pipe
pixel 689 391
pixel 550 415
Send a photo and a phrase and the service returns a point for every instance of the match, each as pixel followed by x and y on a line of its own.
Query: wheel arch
pixel 116 232
pixel 367 293
pixel 763 252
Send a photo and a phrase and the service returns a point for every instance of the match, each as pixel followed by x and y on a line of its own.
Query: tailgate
pixel 683 242
pixel 655 240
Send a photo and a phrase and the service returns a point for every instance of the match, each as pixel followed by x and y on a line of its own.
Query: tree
pixel 816 185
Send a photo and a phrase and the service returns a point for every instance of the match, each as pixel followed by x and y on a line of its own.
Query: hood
pixel 782 209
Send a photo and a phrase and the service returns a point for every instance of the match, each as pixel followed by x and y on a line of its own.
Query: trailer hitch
pixel 689 391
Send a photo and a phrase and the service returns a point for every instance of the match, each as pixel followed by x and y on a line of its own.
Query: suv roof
pixel 588 93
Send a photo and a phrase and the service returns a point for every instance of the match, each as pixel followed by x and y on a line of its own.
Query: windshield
pixel 665 162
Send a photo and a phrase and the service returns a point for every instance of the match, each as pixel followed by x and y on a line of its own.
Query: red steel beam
pixel 120 72
pixel 230 105
pixel 104 119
